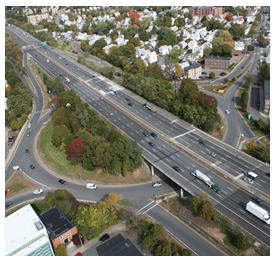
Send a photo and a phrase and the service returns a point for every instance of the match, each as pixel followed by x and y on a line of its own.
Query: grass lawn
pixel 64 46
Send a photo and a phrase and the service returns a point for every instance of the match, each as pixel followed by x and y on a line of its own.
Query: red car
pixel 79 254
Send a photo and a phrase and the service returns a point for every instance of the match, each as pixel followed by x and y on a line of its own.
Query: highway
pixel 163 157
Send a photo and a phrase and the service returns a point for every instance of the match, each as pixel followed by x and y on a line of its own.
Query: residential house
pixel 82 36
pixel 174 28
pixel 184 65
pixel 267 59
pixel 163 50
pixel 239 46
pixel 218 62
pixel 182 44
pixel 64 17
pixel 206 44
pixel 267 96
pixel 121 41
pixel 192 44
pixel 152 57
pixel 193 72
pixel 107 48
pixel 59 227
pixel 191 57
pixel 68 23
pixel 201 11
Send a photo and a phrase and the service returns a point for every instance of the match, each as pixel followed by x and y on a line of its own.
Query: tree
pixel 251 146
pixel 197 204
pixel 15 125
pixel 145 22
pixel 58 134
pixel 237 31
pixel 229 17
pixel 113 202
pixel 241 241
pixel 260 40
pixel 264 72
pixel 250 48
pixel 212 75
pixel 179 70
pixel 61 250
pixel 76 149
pixel 207 210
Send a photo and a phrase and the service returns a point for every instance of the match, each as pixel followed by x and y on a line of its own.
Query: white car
pixel 248 180
pixel 157 184
pixel 227 112
pixel 29 125
pixel 91 186
pixel 110 113
pixel 212 81
pixel 213 154
pixel 38 191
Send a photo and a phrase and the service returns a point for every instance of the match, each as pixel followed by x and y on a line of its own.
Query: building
pixel 193 71
pixel 37 18
pixel 26 235
pixel 59 227
pixel 218 62
pixel 201 11
pixel 267 96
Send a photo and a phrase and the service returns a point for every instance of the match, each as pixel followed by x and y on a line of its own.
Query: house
pixel 174 28
pixel 193 72
pixel 121 41
pixel 82 36
pixel 163 50
pixel 191 57
pixel 218 62
pixel 107 48
pixel 239 46
pixel 152 57
pixel 26 234
pixel 182 44
pixel 192 44
pixel 267 96
pixel 59 227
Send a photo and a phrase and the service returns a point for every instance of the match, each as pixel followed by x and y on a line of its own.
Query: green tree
pixel 15 125
pixel 103 155
pixel 58 134
pixel 237 31
pixel 260 40
pixel 241 241
pixel 61 250
pixel 264 72
pixel 212 75
pixel 145 22
pixel 250 48
pixel 197 204
pixel 207 210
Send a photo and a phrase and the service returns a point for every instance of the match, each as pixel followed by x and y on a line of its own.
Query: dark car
pixel 28 134
pixel 153 134
pixel 32 166
pixel 268 174
pixel 62 181
pixel 151 144
pixel 202 141
pixel 104 238
pixel 130 104
pixel 242 67
pixel 26 151
pixel 7 204
pixel 146 134
pixel 177 168
pixel 257 199
pixel 128 99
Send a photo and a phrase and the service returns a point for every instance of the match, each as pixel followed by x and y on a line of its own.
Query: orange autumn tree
pixel 132 14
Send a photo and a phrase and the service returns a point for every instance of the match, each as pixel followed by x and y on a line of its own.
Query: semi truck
pixel 206 180
pixel 149 107
pixel 258 212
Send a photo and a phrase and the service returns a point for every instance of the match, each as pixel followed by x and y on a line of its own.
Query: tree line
pixel 89 140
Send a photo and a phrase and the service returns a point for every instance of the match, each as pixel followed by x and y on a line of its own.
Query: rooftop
pixel 219 58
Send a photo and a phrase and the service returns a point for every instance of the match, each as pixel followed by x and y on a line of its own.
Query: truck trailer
pixel 258 212
pixel 149 107
pixel 206 180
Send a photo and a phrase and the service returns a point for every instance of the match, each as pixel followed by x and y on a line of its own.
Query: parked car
pixel 146 134
pixel 257 199
pixel 32 166
pixel 29 125
pixel 28 134
pixel 116 92
pixel 213 154
pixel 202 141
pixel 104 238
pixel 153 134
pixel 157 184
pixel 38 191
pixel 176 168
pixel 212 81
pixel 61 181
pixel 91 186
pixel 151 144
pixel 248 180
pixel 8 203
pixel 26 151
pixel 79 254
pixel 227 112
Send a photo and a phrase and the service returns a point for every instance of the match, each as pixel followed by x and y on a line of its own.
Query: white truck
pixel 203 178
pixel 149 107
pixel 258 211
pixel 251 175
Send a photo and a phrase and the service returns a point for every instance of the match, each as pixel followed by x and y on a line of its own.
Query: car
pixel 116 92
pixel 156 184
pixel 28 134
pixel 29 125
pixel 79 254
pixel 8 203
pixel 66 64
pixel 10 139
pixel 268 174
pixel 176 168
pixel 110 113
pixel 128 99
pixel 101 98
pixel 212 81
pixel 130 104
pixel 202 141
pixel 112 93
pixel 26 151
pixel 213 154
pixel 146 134
pixel 151 144
pixel 248 180
pixel 91 186
pixel 38 191
pixel 227 112
pixel 104 238
pixel 61 181
pixel 204 73
pixel 153 134
pixel 32 166
pixel 242 67
pixel 236 54
pixel 258 101
pixel 257 199
pixel 249 70
pixel 93 76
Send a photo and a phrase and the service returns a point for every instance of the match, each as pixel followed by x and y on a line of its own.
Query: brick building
pixel 60 229
pixel 218 62
pixel 201 11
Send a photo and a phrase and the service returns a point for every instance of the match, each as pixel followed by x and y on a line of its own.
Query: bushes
pixel 202 206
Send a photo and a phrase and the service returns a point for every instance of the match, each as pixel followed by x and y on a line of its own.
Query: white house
pixel 192 44
pixel 82 36
pixel 163 50
pixel 152 57
pixel 183 44
pixel 239 46
pixel 64 17
pixel 107 48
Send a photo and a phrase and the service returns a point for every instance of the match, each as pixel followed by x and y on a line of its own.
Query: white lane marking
pixel 163 145
pixel 259 184
pixel 242 210
pixel 160 122
pixel 202 152
pixel 230 189
pixel 147 118
pixel 173 157
pixel 156 123
pixel 178 155
pixel 193 165
pixel 223 159
pixel 223 192
pixel 263 181
pixel 211 147
pixel 171 129
pixel 228 156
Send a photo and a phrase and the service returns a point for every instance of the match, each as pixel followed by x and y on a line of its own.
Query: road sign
pixel 44 43
pixel 249 116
